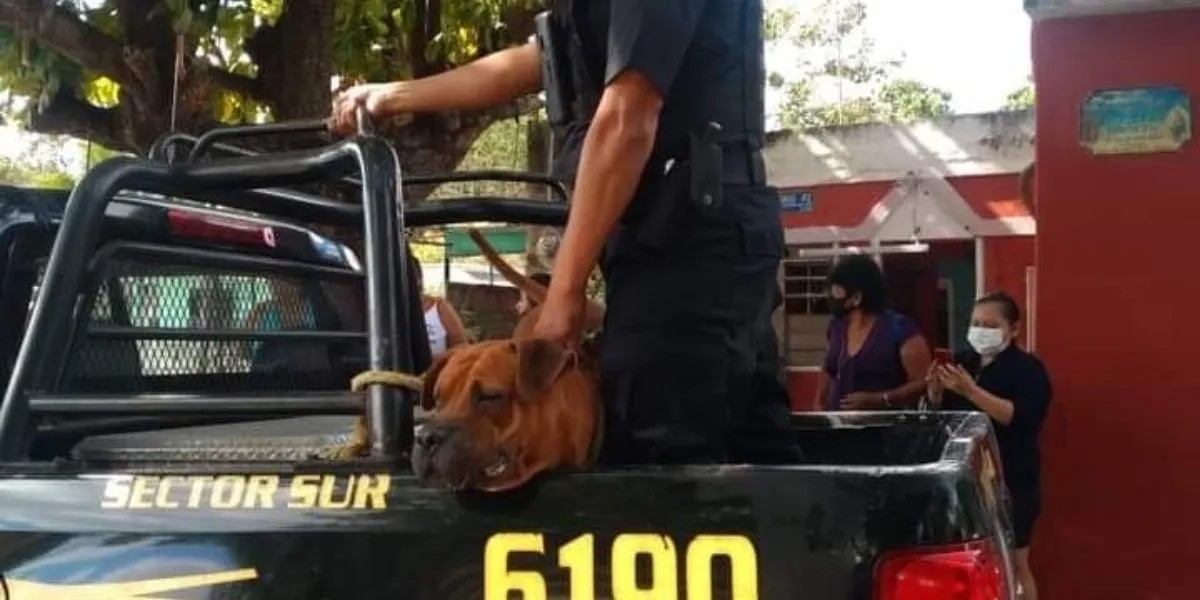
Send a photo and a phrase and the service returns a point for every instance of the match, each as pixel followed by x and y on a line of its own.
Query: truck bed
pixel 887 439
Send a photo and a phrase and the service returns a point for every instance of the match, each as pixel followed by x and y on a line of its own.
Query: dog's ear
pixel 428 402
pixel 539 363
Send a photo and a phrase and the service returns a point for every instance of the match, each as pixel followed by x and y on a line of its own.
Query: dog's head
pixel 504 411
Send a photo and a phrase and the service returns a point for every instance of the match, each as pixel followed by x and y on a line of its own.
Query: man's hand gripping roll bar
pixel 363 118
pixel 364 125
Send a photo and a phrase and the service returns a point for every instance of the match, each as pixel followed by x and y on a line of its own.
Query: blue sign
pixel 797 202
pixel 1136 120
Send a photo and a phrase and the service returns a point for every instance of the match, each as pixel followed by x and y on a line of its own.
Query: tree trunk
pixel 295 59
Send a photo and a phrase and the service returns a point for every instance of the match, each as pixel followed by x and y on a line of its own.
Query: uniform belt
pixel 741 163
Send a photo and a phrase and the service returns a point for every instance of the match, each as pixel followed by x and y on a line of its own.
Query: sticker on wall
pixel 801 202
pixel 1136 121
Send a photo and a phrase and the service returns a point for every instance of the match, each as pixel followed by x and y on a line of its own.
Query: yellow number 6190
pixel 578 557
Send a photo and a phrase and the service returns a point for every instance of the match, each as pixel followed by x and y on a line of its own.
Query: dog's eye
pixel 486 397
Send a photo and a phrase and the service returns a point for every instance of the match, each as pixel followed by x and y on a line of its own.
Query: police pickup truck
pixel 176 348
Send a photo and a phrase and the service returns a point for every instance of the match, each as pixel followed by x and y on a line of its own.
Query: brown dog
pixel 500 412
pixel 504 411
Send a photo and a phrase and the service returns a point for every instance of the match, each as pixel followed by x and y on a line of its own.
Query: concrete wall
pixel 957 146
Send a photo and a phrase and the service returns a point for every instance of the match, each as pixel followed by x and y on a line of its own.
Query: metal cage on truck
pixel 60 369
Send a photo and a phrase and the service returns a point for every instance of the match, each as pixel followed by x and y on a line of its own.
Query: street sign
pixel 801 202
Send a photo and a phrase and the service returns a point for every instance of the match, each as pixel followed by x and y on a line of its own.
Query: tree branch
pixel 63 32
pixel 246 86
pixel 67 114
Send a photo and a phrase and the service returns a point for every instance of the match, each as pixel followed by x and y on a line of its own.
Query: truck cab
pixel 178 340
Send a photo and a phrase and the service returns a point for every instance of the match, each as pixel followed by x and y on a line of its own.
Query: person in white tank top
pixel 442 323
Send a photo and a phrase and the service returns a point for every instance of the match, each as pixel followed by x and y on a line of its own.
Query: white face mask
pixel 987 341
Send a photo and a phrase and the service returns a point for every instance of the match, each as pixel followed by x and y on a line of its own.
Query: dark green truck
pixel 177 343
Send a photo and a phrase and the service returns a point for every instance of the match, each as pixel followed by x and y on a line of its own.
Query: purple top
pixel 876 367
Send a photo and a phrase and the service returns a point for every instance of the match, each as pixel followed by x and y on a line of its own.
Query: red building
pixel 1113 310
pixel 937 202
pixel 1116 299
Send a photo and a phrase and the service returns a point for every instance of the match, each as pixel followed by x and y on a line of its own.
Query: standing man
pixel 658 107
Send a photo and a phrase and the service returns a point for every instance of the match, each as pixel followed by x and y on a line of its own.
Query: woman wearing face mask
pixel 1013 388
pixel 876 358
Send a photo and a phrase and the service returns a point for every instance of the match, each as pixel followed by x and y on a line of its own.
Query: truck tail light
pixel 966 572
pixel 211 228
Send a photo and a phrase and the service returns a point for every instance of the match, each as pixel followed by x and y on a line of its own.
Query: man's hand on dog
pixel 562 316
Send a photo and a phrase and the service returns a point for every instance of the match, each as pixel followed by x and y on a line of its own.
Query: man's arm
pixel 490 81
pixel 615 150
pixel 647 42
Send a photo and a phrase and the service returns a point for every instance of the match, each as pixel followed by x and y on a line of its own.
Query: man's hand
pixel 862 401
pixel 562 317
pixel 371 96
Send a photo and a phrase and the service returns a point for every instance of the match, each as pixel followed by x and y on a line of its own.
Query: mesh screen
pixel 156 327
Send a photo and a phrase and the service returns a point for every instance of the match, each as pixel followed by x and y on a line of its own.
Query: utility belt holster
pixel 552 42
pixel 687 179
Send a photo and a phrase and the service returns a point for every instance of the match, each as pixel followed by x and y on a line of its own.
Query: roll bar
pixel 388 411
pixel 164 148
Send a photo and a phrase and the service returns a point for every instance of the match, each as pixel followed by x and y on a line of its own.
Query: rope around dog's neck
pixel 394 379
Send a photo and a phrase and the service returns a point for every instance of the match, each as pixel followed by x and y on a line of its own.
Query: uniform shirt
pixel 1019 377
pixel 694 53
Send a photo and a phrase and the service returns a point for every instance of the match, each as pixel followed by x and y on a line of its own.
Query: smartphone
pixel 942 356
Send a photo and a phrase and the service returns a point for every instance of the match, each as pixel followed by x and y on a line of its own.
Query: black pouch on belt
pixel 678 190
pixel 707 158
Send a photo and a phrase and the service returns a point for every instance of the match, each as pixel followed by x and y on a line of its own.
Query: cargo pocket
pixel 669 411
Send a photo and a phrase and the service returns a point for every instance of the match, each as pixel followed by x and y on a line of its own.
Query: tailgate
pixel 722 532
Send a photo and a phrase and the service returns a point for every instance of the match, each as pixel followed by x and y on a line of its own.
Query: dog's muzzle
pixel 445 456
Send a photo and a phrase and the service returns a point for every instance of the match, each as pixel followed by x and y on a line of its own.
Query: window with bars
pixel 806 286
pixel 806 301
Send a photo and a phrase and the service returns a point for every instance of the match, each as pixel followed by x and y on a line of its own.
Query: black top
pixel 1019 377
pixel 705 57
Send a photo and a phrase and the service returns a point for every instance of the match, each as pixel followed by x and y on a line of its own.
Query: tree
pixel 1021 98
pixel 839 79
pixel 43 163
pixel 105 70
pixel 909 100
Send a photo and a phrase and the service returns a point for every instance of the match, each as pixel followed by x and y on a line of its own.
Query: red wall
pixel 1005 262
pixel 802 388
pixel 849 204
pixel 1117 322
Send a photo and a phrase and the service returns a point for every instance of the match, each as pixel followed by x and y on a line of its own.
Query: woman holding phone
pixel 1012 387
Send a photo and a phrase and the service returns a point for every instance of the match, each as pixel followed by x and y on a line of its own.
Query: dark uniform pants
pixel 688 362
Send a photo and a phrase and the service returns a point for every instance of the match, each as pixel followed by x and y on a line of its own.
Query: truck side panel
pixel 733 532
